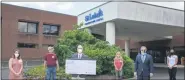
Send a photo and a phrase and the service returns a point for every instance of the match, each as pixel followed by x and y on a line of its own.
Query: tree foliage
pixel 94 48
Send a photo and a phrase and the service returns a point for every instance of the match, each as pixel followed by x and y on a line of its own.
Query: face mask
pixel 79 50
pixel 16 55
pixel 50 51
pixel 142 52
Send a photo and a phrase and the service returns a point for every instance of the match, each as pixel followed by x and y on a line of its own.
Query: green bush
pixel 94 48
pixel 38 72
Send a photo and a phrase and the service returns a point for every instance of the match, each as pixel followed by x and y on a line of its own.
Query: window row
pixel 32 45
pixel 31 27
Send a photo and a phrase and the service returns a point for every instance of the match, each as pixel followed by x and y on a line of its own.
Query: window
pixel 50 29
pixel 28 27
pixel 26 45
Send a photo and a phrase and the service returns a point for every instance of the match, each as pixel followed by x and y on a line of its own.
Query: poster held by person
pixel 82 62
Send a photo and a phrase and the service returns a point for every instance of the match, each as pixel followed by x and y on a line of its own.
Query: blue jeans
pixel 51 73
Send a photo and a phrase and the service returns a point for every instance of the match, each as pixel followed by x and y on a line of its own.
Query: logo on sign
pixel 95 17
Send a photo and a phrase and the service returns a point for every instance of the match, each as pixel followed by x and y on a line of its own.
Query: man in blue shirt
pixel 143 65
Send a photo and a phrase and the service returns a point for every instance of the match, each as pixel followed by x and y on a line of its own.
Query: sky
pixel 76 8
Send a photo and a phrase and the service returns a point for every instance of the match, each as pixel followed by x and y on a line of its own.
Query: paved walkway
pixel 160 71
pixel 162 74
pixel 162 65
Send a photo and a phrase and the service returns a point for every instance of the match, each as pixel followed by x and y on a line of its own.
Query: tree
pixel 94 48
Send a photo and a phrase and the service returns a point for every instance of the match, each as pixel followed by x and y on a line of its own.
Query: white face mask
pixel 79 50
pixel 16 55
pixel 142 52
pixel 50 51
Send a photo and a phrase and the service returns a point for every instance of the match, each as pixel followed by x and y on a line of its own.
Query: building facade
pixel 158 28
pixel 133 24
pixel 31 30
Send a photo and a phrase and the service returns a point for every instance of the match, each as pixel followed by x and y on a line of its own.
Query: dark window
pixel 26 45
pixel 50 29
pixel 28 27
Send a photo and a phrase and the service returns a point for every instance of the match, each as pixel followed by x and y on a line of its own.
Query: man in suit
pixel 143 65
pixel 79 54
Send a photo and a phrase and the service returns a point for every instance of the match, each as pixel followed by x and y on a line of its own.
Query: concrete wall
pixel 10 35
pixel 148 13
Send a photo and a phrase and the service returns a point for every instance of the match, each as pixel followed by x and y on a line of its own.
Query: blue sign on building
pixel 95 17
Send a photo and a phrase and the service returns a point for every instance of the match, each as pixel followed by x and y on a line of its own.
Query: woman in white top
pixel 172 60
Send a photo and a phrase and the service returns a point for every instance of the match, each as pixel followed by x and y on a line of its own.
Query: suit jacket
pixel 146 67
pixel 75 56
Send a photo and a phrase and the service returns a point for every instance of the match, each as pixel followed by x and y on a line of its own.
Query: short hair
pixel 50 47
pixel 79 46
pixel 143 47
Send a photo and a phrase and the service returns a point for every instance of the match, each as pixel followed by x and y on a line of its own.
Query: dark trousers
pixel 142 77
pixel 172 73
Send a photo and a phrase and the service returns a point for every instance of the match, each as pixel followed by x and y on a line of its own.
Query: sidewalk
pixel 163 65
pixel 161 73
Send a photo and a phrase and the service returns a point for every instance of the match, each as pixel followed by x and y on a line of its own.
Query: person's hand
pixel 135 74
pixel 170 67
pixel 57 68
pixel 116 69
pixel 17 74
pixel 120 69
pixel 151 74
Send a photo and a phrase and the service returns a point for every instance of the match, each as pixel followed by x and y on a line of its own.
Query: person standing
pixel 79 54
pixel 51 63
pixel 143 65
pixel 118 65
pixel 15 66
pixel 172 60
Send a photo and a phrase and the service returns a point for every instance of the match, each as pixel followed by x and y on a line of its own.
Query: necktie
pixel 143 58
pixel 79 56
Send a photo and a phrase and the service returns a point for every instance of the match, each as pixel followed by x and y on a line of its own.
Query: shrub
pixel 38 72
pixel 94 48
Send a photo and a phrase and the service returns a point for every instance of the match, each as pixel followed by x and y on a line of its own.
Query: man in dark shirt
pixel 51 63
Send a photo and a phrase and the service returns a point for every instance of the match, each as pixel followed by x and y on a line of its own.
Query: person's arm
pixel 10 66
pixel 45 62
pixel 136 63
pixel 115 64
pixel 176 61
pixel 122 63
pixel 168 62
pixel 57 62
pixel 151 64
pixel 21 69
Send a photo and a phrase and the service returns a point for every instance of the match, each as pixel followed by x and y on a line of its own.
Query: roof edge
pixel 37 9
pixel 132 1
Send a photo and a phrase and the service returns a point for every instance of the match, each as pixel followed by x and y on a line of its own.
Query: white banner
pixel 87 67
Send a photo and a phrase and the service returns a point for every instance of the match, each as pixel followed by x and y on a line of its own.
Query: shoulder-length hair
pixel 13 56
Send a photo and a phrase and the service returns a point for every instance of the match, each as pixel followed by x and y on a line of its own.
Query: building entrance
pixel 158 54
